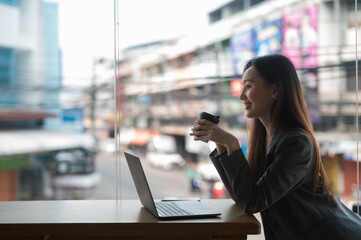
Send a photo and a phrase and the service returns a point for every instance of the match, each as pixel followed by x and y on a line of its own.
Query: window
pixel 9 2
pixel 7 66
pixel 57 91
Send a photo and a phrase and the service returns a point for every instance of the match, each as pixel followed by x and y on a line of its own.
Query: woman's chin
pixel 249 115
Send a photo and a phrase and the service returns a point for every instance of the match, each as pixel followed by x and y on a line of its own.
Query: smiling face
pixel 257 95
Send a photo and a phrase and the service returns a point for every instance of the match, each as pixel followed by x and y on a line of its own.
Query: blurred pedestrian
pixel 283 177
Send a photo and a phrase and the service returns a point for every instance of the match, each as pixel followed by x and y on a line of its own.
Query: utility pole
pixel 93 99
pixel 337 70
pixel 218 52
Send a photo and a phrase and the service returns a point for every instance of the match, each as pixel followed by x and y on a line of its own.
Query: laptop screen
pixel 140 182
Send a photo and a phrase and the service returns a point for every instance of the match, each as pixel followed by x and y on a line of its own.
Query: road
pixel 162 182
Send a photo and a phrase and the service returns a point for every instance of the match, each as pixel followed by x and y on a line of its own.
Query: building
pixel 31 144
pixel 52 60
pixel 165 89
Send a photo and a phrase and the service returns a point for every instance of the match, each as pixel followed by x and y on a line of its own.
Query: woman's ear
pixel 275 92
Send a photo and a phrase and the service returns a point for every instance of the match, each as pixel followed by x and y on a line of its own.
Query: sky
pixel 86 28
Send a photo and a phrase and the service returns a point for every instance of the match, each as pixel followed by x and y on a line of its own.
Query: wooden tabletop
pixel 109 218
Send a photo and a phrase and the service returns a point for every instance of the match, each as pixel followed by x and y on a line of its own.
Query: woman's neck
pixel 270 130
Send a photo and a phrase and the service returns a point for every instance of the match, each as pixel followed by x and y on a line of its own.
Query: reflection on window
pixel 57 136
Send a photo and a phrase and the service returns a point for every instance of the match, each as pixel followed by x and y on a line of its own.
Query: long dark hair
pixel 289 113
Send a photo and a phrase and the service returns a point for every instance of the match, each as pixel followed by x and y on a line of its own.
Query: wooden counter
pixel 110 219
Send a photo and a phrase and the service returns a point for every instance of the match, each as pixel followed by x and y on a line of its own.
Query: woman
pixel 283 178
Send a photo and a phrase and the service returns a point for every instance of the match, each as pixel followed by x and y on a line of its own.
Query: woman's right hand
pixel 204 130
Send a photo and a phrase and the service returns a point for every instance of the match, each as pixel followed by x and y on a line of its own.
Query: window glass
pixel 66 66
pixel 48 146
pixel 9 2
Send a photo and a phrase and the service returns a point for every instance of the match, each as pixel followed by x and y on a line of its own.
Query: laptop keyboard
pixel 170 209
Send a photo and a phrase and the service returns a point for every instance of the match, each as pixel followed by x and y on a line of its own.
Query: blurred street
pixel 162 182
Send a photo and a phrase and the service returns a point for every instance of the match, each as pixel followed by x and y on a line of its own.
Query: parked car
pixel 218 190
pixel 162 152
pixel 75 169
pixel 207 171
pixel 209 175
pixel 75 161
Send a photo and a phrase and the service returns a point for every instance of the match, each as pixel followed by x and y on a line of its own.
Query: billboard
pixel 265 39
pixel 242 47
pixel 72 119
pixel 300 37
pixel 268 37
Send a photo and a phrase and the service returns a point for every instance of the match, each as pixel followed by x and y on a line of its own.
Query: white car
pixel 207 171
pixel 165 160
pixel 162 152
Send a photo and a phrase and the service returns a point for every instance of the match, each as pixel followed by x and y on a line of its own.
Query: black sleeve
pixel 217 164
pixel 292 158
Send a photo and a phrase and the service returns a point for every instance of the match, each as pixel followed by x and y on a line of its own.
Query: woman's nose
pixel 242 96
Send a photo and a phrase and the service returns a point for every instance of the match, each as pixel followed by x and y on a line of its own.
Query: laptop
pixel 180 209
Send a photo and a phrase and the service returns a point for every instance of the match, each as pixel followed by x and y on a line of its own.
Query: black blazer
pixel 290 206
